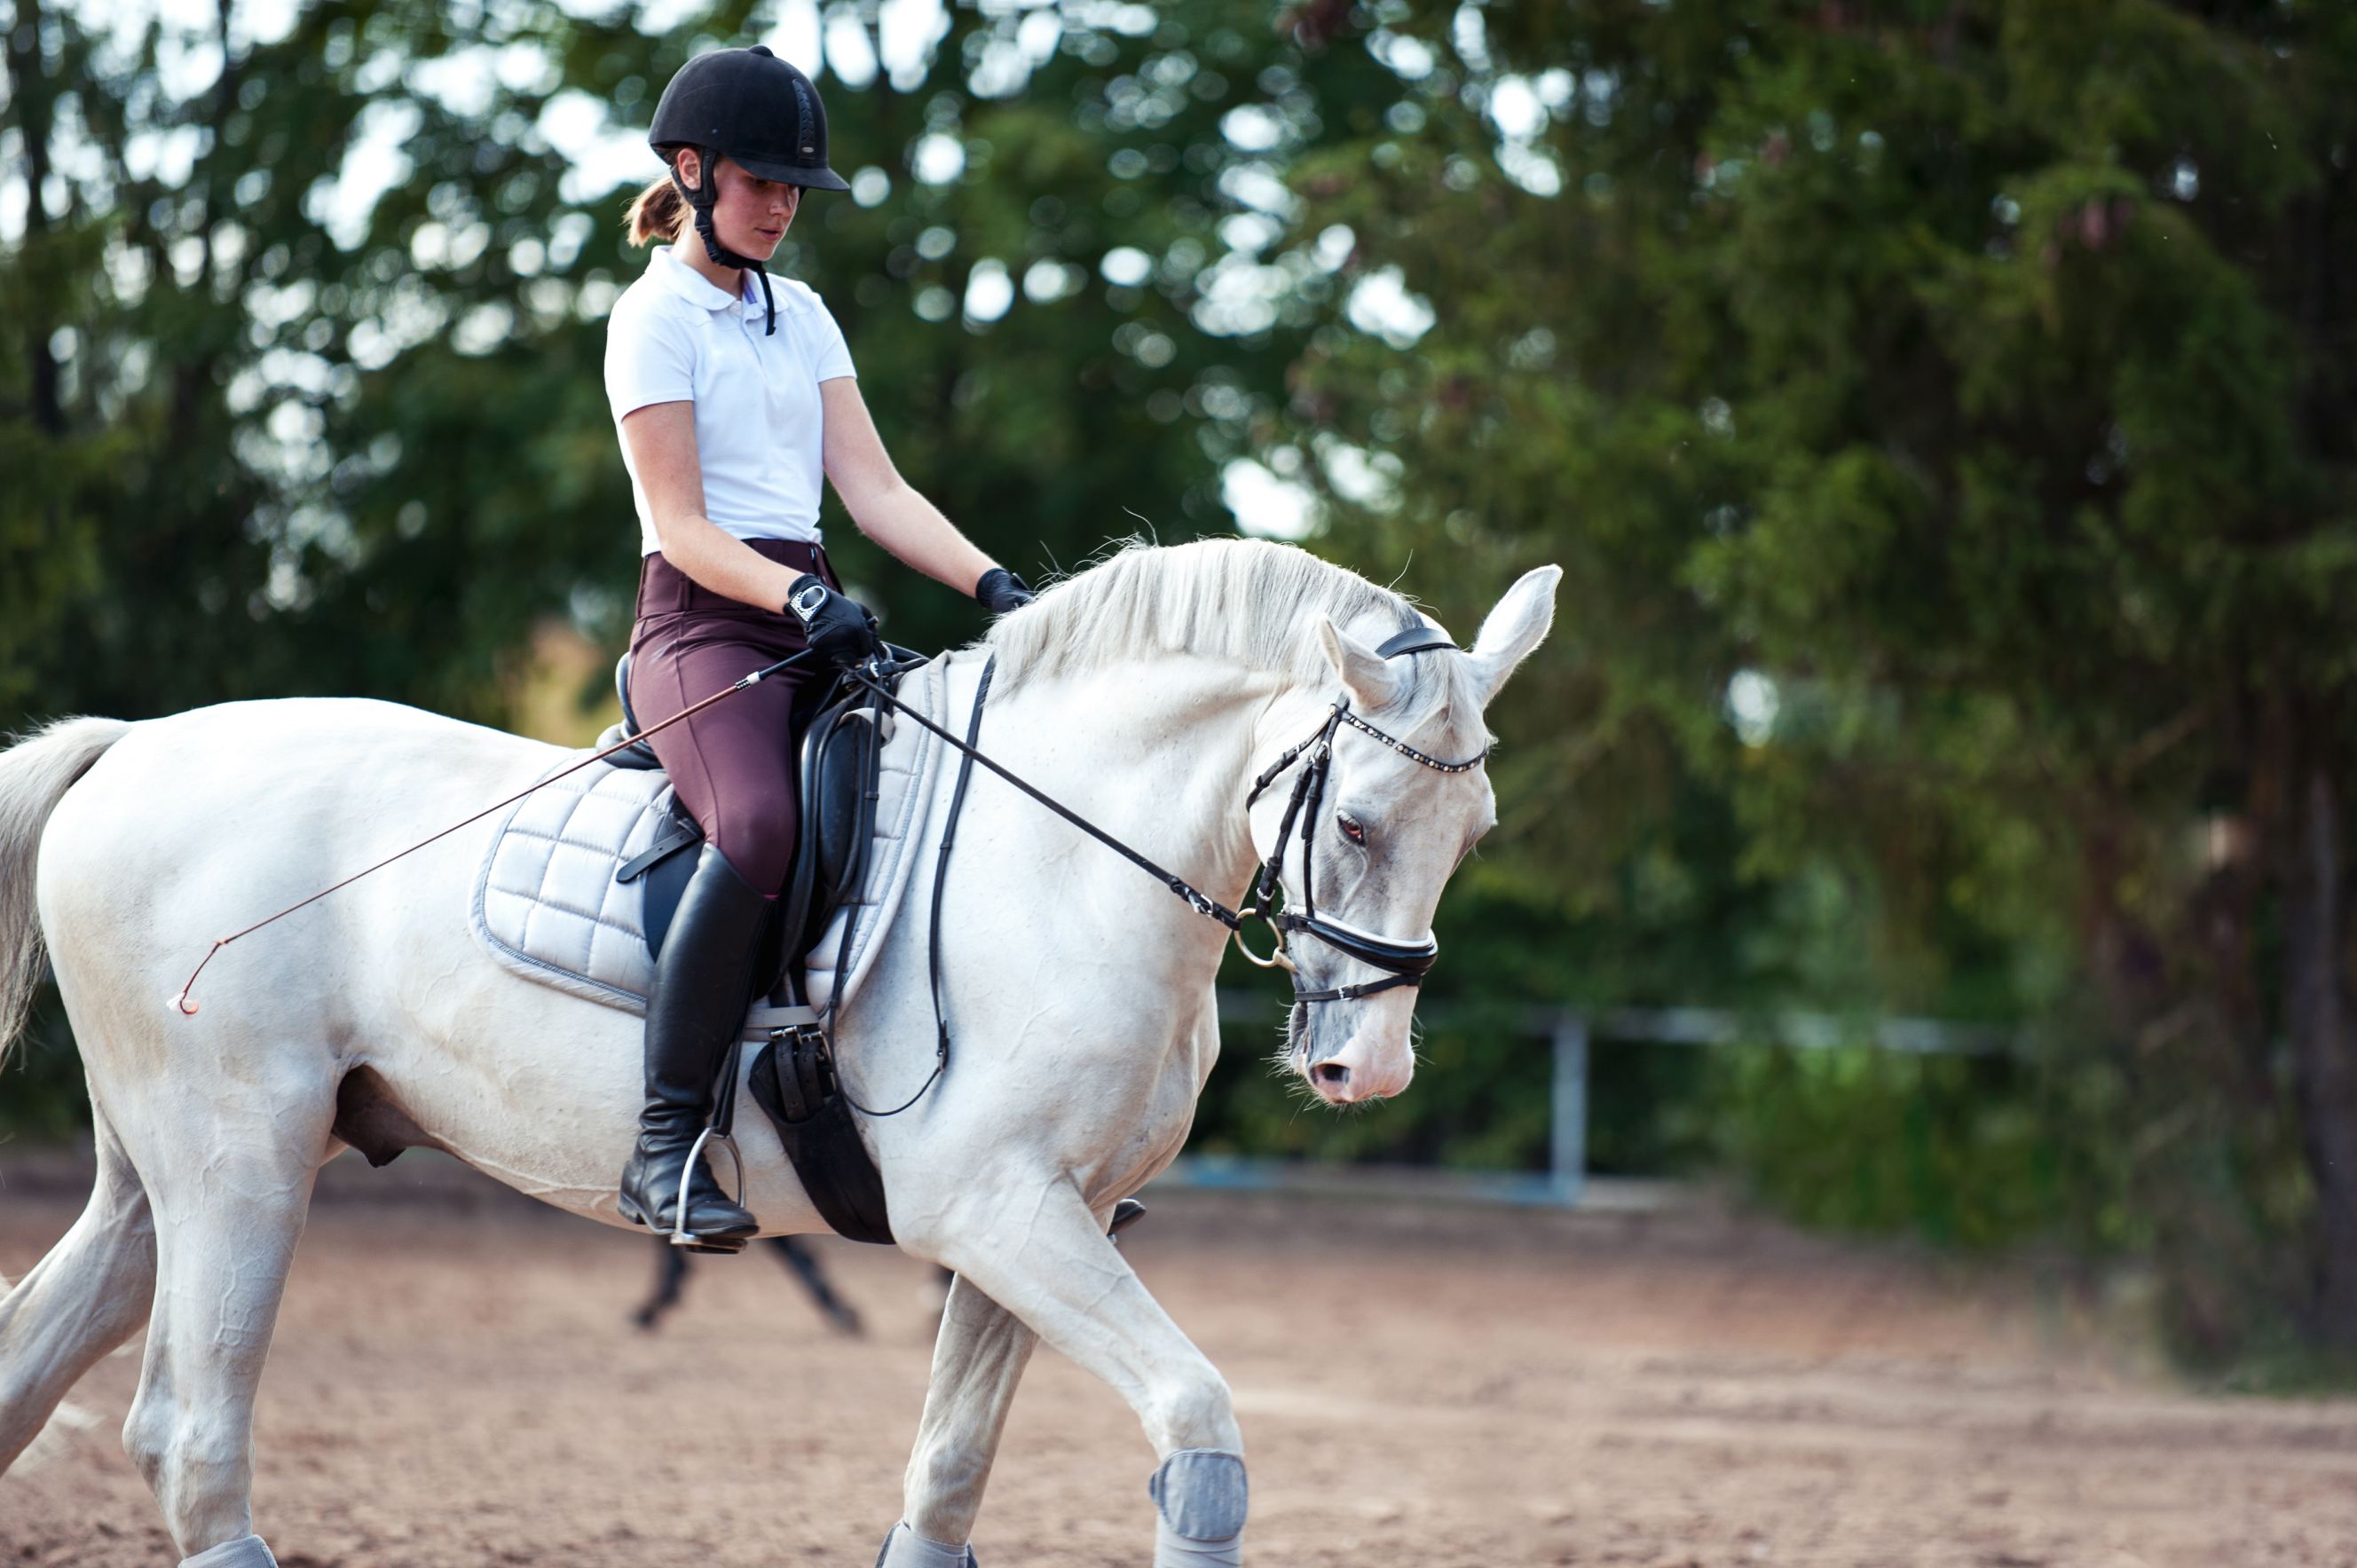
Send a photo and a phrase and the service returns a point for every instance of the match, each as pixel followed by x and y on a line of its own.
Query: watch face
pixel 806 603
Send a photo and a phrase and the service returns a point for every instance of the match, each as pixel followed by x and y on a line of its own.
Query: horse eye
pixel 1350 828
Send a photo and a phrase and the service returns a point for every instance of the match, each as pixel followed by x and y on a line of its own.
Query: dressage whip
pixel 187 1006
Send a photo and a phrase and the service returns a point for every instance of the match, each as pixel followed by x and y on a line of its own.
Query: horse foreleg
pixel 1039 1252
pixel 229 1203
pixel 978 1358
pixel 87 1296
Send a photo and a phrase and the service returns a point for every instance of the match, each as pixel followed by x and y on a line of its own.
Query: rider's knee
pixel 760 845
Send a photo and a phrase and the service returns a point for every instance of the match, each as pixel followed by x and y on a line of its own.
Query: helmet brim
pixel 819 179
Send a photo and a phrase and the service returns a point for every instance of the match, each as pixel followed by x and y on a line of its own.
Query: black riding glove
pixel 1001 590
pixel 841 632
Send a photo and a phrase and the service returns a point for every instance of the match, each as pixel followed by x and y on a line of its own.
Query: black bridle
pixel 1406 964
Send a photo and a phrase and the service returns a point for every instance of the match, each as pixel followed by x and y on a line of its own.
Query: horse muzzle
pixel 1366 1068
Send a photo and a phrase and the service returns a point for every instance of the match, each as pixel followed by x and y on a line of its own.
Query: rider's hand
pixel 1001 590
pixel 841 632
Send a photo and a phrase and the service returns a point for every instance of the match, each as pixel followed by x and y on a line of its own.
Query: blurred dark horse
pixel 671 1274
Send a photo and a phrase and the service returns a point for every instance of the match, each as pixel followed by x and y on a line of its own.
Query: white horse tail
pixel 35 774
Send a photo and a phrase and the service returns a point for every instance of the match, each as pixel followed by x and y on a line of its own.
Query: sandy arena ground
pixel 455 1382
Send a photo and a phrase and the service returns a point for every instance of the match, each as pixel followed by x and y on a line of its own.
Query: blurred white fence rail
pixel 1570 1031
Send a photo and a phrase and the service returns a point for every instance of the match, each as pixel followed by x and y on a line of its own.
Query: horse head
pixel 1389 799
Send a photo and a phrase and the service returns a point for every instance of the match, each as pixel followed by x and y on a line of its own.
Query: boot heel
pixel 718 1246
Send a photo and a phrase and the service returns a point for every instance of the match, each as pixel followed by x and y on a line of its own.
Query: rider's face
pixel 752 215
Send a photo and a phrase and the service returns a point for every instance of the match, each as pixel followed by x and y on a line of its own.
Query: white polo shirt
pixel 673 338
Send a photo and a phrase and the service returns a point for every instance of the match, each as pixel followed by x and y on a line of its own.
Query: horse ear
pixel 1517 625
pixel 1365 674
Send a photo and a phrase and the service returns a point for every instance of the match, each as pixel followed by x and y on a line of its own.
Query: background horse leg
pixel 806 1266
pixel 671 1273
pixel 87 1296
pixel 231 1194
pixel 1042 1255
pixel 977 1361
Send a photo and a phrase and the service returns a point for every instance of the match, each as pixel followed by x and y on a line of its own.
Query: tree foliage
pixel 1947 410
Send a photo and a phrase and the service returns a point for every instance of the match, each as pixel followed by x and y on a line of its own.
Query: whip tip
pixel 181 1004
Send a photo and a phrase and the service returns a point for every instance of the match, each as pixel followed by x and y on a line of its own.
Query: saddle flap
pixel 842 755
pixel 842 793
pixel 666 869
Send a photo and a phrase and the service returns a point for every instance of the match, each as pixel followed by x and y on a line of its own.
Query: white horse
pixel 1146 695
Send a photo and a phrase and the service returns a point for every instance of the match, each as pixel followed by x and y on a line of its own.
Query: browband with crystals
pixel 1415 639
pixel 1356 722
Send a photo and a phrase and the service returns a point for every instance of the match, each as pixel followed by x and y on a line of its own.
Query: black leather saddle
pixel 842 755
pixel 792 1077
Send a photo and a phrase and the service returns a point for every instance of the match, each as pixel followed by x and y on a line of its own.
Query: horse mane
pixel 1249 602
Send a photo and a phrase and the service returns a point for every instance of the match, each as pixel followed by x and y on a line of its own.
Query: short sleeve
pixel 834 354
pixel 650 358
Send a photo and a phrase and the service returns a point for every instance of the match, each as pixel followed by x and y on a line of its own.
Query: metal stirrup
pixel 718 1131
pixel 680 1236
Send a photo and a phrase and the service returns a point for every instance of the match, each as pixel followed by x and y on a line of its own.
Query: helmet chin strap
pixel 699 202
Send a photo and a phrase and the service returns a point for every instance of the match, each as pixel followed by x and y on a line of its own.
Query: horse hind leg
pixel 230 1207
pixel 87 1296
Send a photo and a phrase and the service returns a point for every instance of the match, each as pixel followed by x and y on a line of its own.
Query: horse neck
pixel 1156 754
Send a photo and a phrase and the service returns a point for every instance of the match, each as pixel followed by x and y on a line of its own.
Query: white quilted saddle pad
pixel 546 904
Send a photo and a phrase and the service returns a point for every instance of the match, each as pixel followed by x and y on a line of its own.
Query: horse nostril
pixel 1334 1075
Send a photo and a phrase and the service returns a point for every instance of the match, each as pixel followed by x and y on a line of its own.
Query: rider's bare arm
pixel 662 447
pixel 886 508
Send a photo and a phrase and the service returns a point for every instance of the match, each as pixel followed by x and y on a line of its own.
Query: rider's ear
pixel 1517 625
pixel 1365 675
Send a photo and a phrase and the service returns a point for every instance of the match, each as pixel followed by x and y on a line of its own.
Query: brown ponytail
pixel 657 213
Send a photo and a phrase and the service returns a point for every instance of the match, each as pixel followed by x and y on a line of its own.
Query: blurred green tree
pixel 1945 412
pixel 363 429
pixel 307 395
pixel 302 391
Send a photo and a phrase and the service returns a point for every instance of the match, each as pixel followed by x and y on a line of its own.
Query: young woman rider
pixel 733 394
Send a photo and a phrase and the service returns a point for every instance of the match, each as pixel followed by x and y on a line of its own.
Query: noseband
pixel 1406 964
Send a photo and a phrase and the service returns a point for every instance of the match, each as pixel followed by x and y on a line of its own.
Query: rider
pixel 733 393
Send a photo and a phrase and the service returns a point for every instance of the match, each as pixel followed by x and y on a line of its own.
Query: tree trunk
pixel 29 97
pixel 2324 1056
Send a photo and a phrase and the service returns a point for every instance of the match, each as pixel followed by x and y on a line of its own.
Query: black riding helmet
pixel 751 106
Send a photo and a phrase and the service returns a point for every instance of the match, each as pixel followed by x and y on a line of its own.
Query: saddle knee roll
pixel 1200 1496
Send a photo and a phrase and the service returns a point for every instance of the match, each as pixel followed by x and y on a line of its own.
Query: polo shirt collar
pixel 695 288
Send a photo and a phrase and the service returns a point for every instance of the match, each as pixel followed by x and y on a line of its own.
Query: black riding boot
pixel 704 980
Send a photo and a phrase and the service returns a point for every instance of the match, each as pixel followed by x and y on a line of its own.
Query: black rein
pixel 1406 964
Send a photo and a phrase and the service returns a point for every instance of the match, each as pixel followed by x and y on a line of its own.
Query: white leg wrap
pixel 1200 1496
pixel 245 1552
pixel 904 1548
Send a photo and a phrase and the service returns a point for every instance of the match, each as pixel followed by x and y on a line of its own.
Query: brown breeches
pixel 733 764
